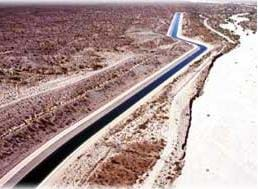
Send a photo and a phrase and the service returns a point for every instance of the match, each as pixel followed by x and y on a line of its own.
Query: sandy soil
pixel 217 32
pixel 224 127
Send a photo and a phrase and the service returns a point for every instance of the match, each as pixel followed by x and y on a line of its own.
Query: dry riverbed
pixel 224 125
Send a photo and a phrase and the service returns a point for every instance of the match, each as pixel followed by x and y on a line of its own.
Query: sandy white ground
pixel 222 144
pixel 217 32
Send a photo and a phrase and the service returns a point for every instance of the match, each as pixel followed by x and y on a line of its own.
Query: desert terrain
pixel 59 65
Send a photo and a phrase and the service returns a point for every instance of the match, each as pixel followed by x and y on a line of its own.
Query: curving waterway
pixel 40 172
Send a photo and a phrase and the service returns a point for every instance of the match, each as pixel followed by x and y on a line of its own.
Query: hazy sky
pixel 94 1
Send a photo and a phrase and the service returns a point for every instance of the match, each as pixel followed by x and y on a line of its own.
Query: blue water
pixel 174 32
pixel 46 166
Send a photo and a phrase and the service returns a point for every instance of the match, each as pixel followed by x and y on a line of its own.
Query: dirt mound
pixel 127 166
